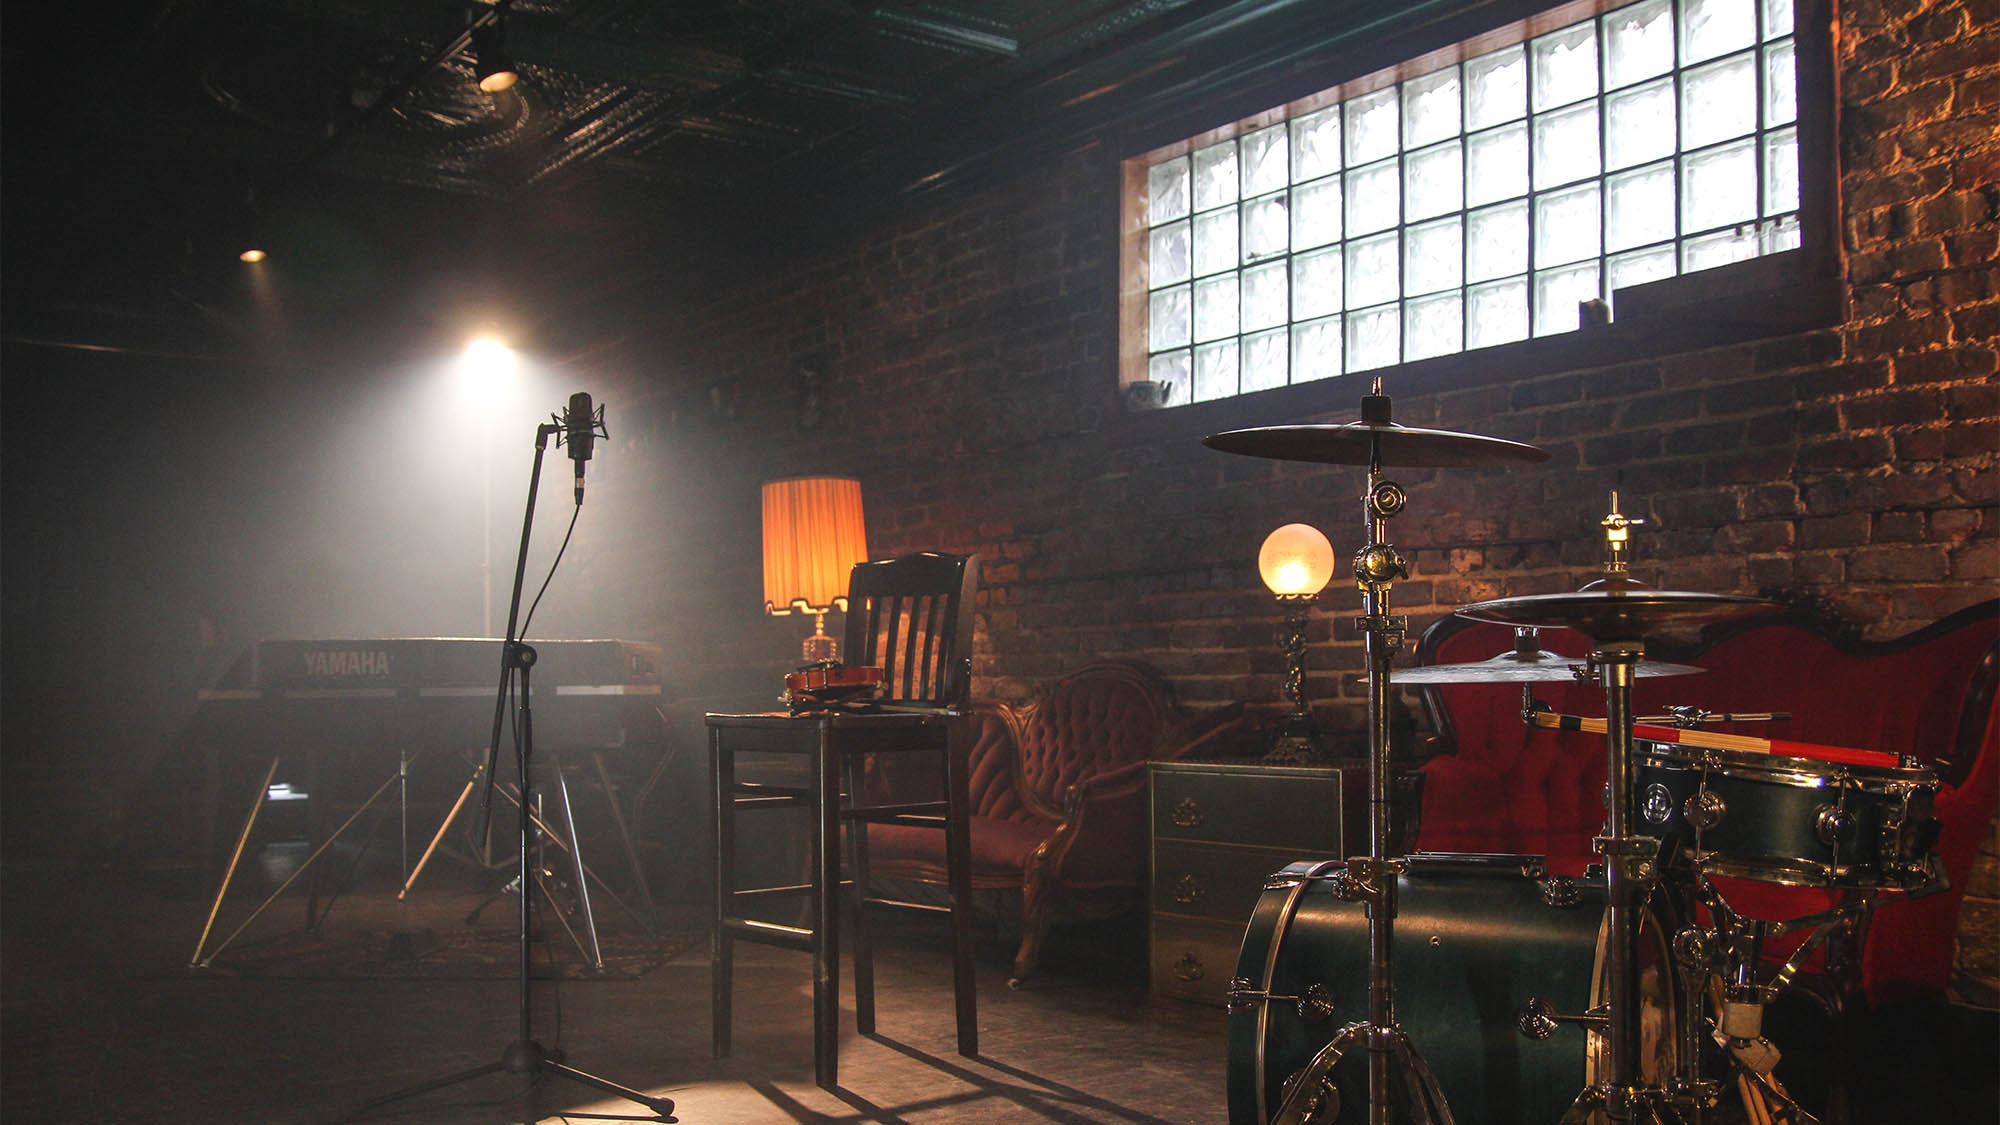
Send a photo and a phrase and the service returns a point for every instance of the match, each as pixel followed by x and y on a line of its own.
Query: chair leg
pixel 958 873
pixel 826 920
pixel 721 956
pixel 857 865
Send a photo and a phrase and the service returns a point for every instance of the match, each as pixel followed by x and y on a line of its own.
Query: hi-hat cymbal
pixel 1355 443
pixel 1523 668
pixel 1618 613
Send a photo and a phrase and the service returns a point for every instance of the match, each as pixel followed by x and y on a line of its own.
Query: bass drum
pixel 1477 937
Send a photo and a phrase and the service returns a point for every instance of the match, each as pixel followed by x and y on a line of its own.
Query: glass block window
pixel 1471 205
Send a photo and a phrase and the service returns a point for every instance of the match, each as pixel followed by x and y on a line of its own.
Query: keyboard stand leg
pixel 229 873
pixel 456 807
pixel 204 962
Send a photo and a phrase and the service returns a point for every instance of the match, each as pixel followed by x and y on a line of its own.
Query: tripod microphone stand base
pixel 526 1056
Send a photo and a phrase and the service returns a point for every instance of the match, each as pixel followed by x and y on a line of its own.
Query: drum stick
pixel 1716 741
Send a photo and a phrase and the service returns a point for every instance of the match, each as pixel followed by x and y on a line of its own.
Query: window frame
pixel 1771 295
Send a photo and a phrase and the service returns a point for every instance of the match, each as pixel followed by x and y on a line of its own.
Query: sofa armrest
pixel 1100 840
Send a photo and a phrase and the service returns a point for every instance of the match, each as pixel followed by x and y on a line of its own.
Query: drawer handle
pixel 1187 890
pixel 1187 814
pixel 1188 968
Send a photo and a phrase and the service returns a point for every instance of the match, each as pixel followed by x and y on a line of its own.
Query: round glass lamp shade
pixel 1296 561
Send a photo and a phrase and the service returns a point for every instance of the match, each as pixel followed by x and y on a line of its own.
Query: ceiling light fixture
pixel 491 64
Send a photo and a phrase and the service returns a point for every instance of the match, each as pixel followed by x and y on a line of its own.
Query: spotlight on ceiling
pixel 491 63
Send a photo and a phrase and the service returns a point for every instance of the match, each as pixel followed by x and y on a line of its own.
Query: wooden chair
pixel 911 617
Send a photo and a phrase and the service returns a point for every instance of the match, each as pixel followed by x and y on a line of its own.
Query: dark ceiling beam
pixel 815 83
pixel 932 31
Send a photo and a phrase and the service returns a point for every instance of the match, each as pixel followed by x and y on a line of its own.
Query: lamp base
pixel 819 648
pixel 1298 743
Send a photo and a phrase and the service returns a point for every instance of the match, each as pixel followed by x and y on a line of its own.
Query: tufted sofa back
pixel 1096 720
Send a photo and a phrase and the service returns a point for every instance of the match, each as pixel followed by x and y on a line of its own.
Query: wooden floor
pixel 105 1021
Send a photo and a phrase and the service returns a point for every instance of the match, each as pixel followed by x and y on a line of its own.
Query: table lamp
pixel 813 536
pixel 1296 562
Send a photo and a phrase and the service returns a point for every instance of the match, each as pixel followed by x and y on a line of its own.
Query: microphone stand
pixel 524 1055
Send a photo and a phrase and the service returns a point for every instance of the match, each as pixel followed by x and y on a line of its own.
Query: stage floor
pixel 104 1021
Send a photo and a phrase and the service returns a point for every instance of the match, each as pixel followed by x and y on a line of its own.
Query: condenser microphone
pixel 581 423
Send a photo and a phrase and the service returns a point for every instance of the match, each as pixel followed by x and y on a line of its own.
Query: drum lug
pixel 1314 1005
pixel 1705 809
pixel 1560 891
pixel 1832 824
pixel 1538 1019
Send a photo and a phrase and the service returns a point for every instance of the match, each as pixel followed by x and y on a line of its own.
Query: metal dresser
pixel 1218 830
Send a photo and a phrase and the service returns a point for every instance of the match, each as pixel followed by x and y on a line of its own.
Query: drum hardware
pixel 1310 1098
pixel 1617 613
pixel 1693 718
pixel 1376 441
pixel 1704 810
pixel 1538 1019
pixel 1314 1004
pixel 1561 891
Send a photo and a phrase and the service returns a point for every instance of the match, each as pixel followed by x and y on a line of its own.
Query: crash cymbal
pixel 1617 613
pixel 1355 443
pixel 1523 668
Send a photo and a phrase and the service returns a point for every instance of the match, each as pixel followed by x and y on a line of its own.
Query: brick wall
pixel 966 355
pixel 962 362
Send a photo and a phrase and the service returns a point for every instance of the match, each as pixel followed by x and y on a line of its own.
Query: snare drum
pixel 1778 819
pixel 1477 937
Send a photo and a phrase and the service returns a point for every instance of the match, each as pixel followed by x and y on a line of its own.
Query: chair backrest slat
pixel 912 617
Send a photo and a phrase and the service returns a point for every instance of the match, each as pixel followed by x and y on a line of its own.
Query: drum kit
pixel 1644 953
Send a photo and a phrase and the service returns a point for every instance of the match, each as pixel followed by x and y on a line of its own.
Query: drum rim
pixel 1756 766
pixel 1800 872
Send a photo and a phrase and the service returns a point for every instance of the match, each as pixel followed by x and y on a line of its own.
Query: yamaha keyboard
pixel 332 717
pixel 397 694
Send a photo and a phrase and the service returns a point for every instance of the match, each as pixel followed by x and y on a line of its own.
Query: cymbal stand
pixel 1631 871
pixel 1371 879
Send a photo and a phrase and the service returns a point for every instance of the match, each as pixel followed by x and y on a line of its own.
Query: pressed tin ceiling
pixel 729 96
pixel 130 121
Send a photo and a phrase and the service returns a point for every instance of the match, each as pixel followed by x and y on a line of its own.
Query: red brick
pixel 1944 366
pixel 1899 564
pixel 1836 531
pixel 1955 524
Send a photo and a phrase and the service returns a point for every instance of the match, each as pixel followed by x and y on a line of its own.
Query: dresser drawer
pixel 1193 958
pixel 1274 807
pixel 1217 881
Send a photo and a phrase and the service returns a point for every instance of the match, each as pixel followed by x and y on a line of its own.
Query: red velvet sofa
pixel 1500 785
pixel 1058 789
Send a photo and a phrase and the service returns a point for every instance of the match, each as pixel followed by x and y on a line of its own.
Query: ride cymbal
pixel 1522 668
pixel 1357 443
pixel 1618 613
